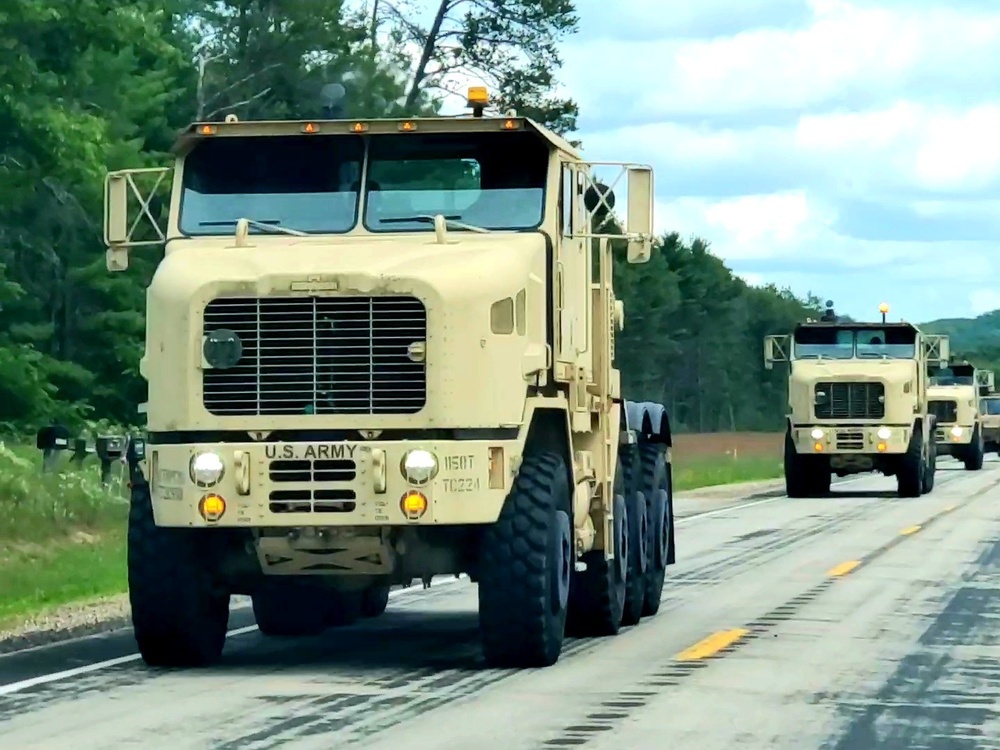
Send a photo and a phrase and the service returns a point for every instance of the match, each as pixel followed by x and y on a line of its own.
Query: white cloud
pixel 823 144
pixel 984 300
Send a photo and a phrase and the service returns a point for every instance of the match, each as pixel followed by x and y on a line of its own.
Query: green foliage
pixel 509 45
pixel 107 83
pixel 693 339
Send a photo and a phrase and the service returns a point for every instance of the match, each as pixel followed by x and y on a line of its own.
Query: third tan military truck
pixel 857 402
pixel 954 394
pixel 989 410
pixel 379 351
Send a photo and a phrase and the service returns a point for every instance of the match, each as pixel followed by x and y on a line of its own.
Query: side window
pixel 566 202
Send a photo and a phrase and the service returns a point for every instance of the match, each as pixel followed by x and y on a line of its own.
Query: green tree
pixel 510 45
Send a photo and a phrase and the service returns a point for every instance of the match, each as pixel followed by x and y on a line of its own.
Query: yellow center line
pixel 711 645
pixel 844 568
pixel 949 508
pixel 909 530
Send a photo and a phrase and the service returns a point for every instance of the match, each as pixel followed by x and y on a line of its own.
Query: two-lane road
pixel 855 621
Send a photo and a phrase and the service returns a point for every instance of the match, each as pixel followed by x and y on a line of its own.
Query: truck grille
pixel 318 355
pixel 315 499
pixel 850 400
pixel 945 411
pixel 850 441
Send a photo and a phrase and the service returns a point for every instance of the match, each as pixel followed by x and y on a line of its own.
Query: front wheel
pixel 179 613
pixel 974 458
pixel 910 476
pixel 374 600
pixel 525 563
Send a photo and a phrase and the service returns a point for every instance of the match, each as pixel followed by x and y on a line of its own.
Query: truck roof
pixel 863 325
pixel 197 131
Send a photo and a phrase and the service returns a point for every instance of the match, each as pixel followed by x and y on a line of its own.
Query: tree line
pixel 99 84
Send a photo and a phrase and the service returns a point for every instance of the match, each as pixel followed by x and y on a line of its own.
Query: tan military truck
pixel 857 402
pixel 989 410
pixel 378 351
pixel 953 395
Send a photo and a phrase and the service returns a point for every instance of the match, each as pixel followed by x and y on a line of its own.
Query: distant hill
pixel 968 334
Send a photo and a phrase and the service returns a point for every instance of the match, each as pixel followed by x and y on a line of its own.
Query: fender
pixel 650 420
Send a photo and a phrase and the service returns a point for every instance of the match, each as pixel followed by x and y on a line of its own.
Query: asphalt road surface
pixel 855 621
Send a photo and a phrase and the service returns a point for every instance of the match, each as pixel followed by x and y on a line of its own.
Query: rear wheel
pixel 657 487
pixel 179 612
pixel 597 594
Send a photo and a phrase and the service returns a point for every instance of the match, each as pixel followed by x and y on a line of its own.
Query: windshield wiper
pixel 451 221
pixel 271 225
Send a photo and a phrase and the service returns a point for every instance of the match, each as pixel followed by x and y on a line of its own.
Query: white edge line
pixel 16 687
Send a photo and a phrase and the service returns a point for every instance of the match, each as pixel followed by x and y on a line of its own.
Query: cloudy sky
pixel 851 149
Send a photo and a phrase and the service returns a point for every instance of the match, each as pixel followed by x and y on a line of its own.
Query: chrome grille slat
pixel 319 496
pixel 864 400
pixel 320 355
pixel 850 441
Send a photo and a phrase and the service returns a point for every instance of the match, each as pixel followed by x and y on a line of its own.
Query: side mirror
pixel 640 214
pixel 119 186
pixel 775 350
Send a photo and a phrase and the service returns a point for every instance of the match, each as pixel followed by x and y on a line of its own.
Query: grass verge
pixel 62 535
pixel 700 472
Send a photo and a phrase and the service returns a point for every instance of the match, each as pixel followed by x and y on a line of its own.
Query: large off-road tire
pixel 525 563
pixel 179 613
pixel 656 485
pixel 287 606
pixel 931 467
pixel 635 576
pixel 805 475
pixel 627 476
pixel 597 594
pixel 374 600
pixel 973 460
pixel 910 476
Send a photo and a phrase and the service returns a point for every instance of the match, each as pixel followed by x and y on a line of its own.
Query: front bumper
pixel 331 483
pixel 822 440
pixel 945 434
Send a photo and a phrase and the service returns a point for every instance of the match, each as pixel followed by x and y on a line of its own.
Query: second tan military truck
pixel 954 399
pixel 857 402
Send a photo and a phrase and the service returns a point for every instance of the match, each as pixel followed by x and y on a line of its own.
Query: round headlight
pixel 884 433
pixel 206 469
pixel 956 431
pixel 817 434
pixel 419 466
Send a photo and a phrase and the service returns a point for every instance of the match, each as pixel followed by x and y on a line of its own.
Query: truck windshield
pixel 990 406
pixel 846 343
pixel 488 180
pixel 306 183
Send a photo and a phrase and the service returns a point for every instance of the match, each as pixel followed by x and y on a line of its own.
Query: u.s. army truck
pixel 857 402
pixel 953 395
pixel 989 411
pixel 378 351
